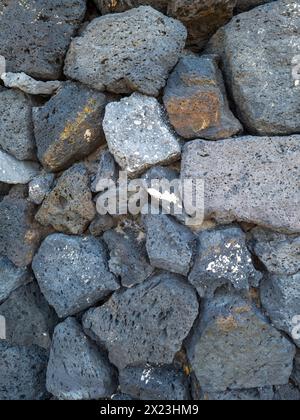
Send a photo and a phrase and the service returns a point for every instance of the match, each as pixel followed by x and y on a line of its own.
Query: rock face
pixel 121 58
pixel 145 324
pixel 264 38
pixel 39 187
pixel 72 272
pixel 77 369
pixel 29 85
pixel 196 102
pixel 137 134
pixel 234 347
pixel 241 188
pixel 13 171
pixel 69 207
pixel 37 21
pixel 68 127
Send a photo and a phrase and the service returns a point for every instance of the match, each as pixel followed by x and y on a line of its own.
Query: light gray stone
pixel 39 187
pixel 29 85
pixel 107 170
pixel 13 171
pixel 11 277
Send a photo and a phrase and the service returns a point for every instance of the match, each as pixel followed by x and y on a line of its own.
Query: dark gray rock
pixel 242 395
pixel 107 170
pixel 72 272
pixel 101 224
pixel 78 369
pixel 243 5
pixel 287 393
pixel 145 324
pixel 11 277
pixel 40 187
pixel 296 371
pixel 108 6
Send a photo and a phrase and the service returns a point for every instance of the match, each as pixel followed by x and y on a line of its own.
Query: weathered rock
pixel 280 296
pixel 22 372
pixel 11 277
pixel 29 319
pixel 107 170
pixel 101 224
pixel 243 5
pixel 108 6
pixel 29 85
pixel 264 170
pixel 154 383
pixel 69 207
pixel 223 259
pixel 234 347
pixel 36 34
pixel 69 126
pixel 72 272
pixel 137 134
pixel 170 245
pixel 78 369
pixel 121 58
pixel 195 99
pixel 257 49
pixel 40 187
pixel 14 171
pixel 296 371
pixel 145 324
pixel 287 392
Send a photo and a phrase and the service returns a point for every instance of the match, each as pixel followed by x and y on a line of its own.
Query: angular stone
pixel 137 134
pixel 121 58
pixel 223 259
pixel 22 372
pixel 72 272
pixel 234 347
pixel 78 369
pixel 260 185
pixel 101 224
pixel 257 50
pixel 29 85
pixel 243 5
pixel 195 99
pixel 69 207
pixel 107 170
pixel 69 126
pixel 36 34
pixel 108 6
pixel 145 324
pixel 11 277
pixel 40 187
pixel 14 171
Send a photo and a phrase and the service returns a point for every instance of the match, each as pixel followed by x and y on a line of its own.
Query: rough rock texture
pixel 223 259
pixel 36 34
pixel 145 324
pixel 234 347
pixel 196 102
pixel 243 5
pixel 77 369
pixel 107 169
pixel 29 85
pixel 264 170
pixel 137 134
pixel 296 371
pixel 13 171
pixel 257 50
pixel 72 272
pixel 127 52
pixel 101 224
pixel 239 395
pixel 287 393
pixel 68 127
pixel 69 207
pixel 39 187
pixel 22 372
pixel 11 277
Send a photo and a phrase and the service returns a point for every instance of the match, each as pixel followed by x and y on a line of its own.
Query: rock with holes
pixel 78 369
pixel 69 126
pixel 69 207
pixel 14 171
pixel 39 187
pixel 223 259
pixel 264 170
pixel 36 34
pixel 234 347
pixel 72 272
pixel 127 52
pixel 29 85
pixel 11 277
pixel 107 171
pixel 145 324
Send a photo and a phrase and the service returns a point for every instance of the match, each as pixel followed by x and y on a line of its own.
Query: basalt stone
pixel 145 324
pixel 257 50
pixel 287 392
pixel 242 395
pixel 234 347
pixel 69 207
pixel 72 272
pixel 195 99
pixel 264 170
pixel 223 259
pixel 39 187
pixel 69 126
pixel 29 85
pixel 78 369
pixel 127 52
pixel 11 277
pixel 107 170
pixel 109 6
pixel 138 135
pixel 244 5
pixel 101 224
pixel 296 371
pixel 36 34
pixel 14 171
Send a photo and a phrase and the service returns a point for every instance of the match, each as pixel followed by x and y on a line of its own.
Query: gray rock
pixel 223 259
pixel 137 134
pixel 121 58
pixel 107 169
pixel 154 383
pixel 11 277
pixel 239 395
pixel 242 188
pixel 287 392
pixel 101 224
pixel 145 324
pixel 170 245
pixel 13 171
pixel 40 187
pixel 234 347
pixel 69 207
pixel 29 85
pixel 280 296
pixel 244 5
pixel 22 372
pixel 72 272
pixel 26 26
pixel 296 371
pixel 77 369
pixel 69 126
pixel 257 50
pixel 4 189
